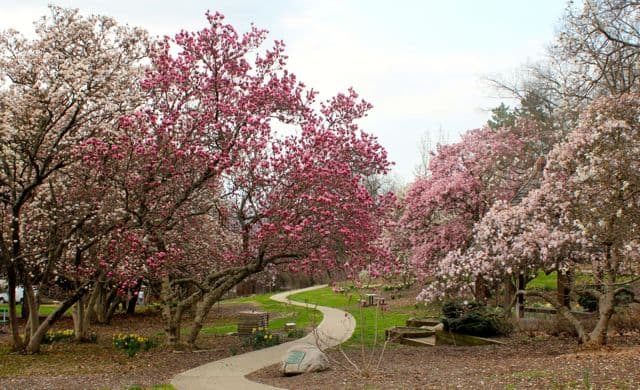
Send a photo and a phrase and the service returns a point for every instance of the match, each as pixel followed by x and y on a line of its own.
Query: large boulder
pixel 303 358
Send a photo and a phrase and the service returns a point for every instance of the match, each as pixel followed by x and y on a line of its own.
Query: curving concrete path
pixel 336 327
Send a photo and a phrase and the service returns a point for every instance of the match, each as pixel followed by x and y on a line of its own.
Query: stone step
pixel 397 333
pixel 450 338
pixel 420 342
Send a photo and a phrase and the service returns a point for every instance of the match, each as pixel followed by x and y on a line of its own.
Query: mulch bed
pixel 524 363
pixel 66 365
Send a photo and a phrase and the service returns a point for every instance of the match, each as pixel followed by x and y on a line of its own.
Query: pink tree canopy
pixel 465 179
pixel 584 213
pixel 204 152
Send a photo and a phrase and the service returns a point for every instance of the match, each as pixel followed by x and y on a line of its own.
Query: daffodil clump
pixel 58 335
pixel 261 337
pixel 132 343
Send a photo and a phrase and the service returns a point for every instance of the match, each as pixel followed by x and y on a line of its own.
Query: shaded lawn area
pixel 45 310
pixel 280 314
pixel 549 282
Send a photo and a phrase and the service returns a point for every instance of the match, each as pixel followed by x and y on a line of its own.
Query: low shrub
pixel 132 343
pixel 474 319
pixel 590 303
pixel 624 296
pixel 295 333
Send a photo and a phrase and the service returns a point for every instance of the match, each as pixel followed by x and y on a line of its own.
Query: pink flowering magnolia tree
pixel 215 194
pixel 495 256
pixel 304 205
pixel 465 179
pixel 65 86
pixel 395 240
pixel 584 214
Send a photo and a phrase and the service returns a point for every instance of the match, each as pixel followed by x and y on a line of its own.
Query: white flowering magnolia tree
pixel 585 214
pixel 68 84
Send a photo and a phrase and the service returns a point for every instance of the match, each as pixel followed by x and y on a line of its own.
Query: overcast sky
pixel 420 63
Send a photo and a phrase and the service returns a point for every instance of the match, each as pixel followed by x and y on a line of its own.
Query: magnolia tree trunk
pixel 83 314
pixel 521 284
pixel 598 336
pixel 173 309
pixel 36 334
pixel 606 301
pixel 33 321
pixel 509 293
pixel 210 299
pixel 203 300
pixel 564 282
pixel 25 311
pixel 18 343
pixel 481 291
pixel 80 320
pixel 105 304
pixel 132 303
pixel 171 323
pixel 132 298
pixel 202 310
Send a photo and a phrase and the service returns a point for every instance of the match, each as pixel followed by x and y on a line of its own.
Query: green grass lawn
pixel 370 321
pixel 544 282
pixel 550 282
pixel 303 317
pixel 45 310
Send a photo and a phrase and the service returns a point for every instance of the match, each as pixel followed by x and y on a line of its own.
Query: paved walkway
pixel 336 326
